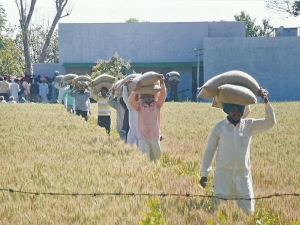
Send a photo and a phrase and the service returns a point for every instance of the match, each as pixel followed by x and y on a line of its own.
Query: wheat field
pixel 46 150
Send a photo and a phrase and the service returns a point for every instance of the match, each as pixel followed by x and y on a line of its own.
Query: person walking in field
pixel 82 101
pixel 103 108
pixel 132 136
pixel 232 137
pixel 68 100
pixel 149 135
pixel 117 105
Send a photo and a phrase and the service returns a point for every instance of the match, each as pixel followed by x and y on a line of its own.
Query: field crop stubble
pixel 45 149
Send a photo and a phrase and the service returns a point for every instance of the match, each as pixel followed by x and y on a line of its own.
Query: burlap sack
pixel 81 78
pixel 151 89
pixel 148 78
pixel 103 78
pixel 97 88
pixel 132 85
pixel 131 76
pixel 173 76
pixel 118 88
pixel 67 79
pixel 58 78
pixel 58 84
pixel 236 94
pixel 210 88
pixel 82 83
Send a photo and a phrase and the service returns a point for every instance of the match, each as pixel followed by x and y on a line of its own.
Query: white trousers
pixel 132 137
pixel 150 148
pixel 229 184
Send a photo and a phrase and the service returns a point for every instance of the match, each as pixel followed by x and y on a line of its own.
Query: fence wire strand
pixel 188 195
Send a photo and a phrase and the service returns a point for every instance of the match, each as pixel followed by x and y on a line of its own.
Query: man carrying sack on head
pixel 149 120
pixel 82 101
pixel 232 137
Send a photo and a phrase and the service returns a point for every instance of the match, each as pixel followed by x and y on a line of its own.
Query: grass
pixel 45 149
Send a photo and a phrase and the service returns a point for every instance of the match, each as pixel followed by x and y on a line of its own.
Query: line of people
pixel 30 89
pixel 138 116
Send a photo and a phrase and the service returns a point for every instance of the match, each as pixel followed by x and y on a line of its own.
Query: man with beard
pixel 149 134
pixel 232 137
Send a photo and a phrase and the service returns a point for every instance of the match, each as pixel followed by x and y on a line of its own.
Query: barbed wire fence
pixel 188 195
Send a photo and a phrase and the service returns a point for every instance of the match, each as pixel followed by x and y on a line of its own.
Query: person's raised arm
pixel 111 101
pixel 133 103
pixel 125 93
pixel 260 125
pixel 162 97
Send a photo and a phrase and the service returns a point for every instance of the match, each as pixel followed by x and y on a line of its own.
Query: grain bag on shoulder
pixel 173 76
pixel 104 80
pixel 148 78
pixel 81 78
pixel 236 94
pixel 131 76
pixel 151 89
pixel 210 88
pixel 67 79
pixel 58 81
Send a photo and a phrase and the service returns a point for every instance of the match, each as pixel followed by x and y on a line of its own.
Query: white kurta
pixel 43 91
pixel 14 90
pixel 132 136
pixel 232 177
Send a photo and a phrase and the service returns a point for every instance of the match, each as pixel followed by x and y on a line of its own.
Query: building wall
pixel 139 42
pixel 273 62
pixel 47 69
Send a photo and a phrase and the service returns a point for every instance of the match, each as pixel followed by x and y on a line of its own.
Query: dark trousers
pixel 104 121
pixel 82 113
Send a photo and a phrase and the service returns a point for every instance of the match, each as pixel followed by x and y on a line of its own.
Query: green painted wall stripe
pixel 141 64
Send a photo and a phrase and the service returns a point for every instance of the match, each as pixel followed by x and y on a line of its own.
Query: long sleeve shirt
pixel 67 98
pixel 133 114
pixel 120 112
pixel 103 106
pixel 82 100
pixel 233 142
pixel 148 116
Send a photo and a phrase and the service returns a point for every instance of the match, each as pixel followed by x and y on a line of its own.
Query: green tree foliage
pixel 11 57
pixel 290 7
pixel 115 66
pixel 36 39
pixel 132 20
pixel 2 18
pixel 253 30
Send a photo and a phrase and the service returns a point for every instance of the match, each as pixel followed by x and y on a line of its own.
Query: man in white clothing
pixel 132 136
pixel 14 89
pixel 232 137
pixel 44 91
